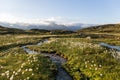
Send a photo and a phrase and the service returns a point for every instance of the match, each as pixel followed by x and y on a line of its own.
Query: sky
pixel 61 11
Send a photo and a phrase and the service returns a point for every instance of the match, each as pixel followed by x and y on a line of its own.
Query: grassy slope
pixel 5 30
pixel 108 28
pixel 109 33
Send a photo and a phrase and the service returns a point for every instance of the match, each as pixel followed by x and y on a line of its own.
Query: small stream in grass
pixel 110 46
pixel 116 54
pixel 62 74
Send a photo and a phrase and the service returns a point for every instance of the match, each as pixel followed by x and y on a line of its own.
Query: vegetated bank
pixel 86 60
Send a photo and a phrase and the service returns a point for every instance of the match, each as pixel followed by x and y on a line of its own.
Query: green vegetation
pixel 25 66
pixel 10 41
pixel 5 30
pixel 108 33
pixel 16 64
pixel 108 28
pixel 85 59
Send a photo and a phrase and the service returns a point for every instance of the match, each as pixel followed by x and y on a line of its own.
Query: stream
pixel 62 74
pixel 110 46
pixel 116 54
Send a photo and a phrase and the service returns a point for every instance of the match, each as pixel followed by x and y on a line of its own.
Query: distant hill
pixel 40 30
pixel 61 32
pixel 5 30
pixel 108 28
pixel 49 26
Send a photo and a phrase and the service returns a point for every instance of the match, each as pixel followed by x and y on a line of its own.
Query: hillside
pixel 49 26
pixel 108 28
pixel 5 30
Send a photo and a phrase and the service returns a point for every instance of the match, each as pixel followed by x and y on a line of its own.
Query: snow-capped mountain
pixel 49 26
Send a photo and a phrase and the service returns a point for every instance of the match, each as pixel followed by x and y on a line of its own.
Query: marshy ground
pixel 82 58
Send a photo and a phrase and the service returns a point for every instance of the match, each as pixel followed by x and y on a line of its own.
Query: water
pixel 116 53
pixel 62 74
pixel 110 46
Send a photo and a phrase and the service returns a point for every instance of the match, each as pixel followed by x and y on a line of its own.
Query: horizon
pixel 60 11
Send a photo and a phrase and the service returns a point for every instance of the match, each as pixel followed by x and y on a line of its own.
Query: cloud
pixel 13 19
pixel 44 21
pixel 6 17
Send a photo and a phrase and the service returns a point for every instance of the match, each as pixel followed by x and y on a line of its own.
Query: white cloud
pixel 59 20
pixel 6 17
pixel 13 19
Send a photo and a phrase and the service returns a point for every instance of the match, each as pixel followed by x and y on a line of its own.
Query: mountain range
pixel 49 26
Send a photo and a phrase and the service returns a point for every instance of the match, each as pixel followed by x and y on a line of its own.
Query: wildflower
pixel 100 66
pixel 1 67
pixel 19 70
pixel 91 65
pixel 11 78
pixel 28 78
pixel 30 69
pixel 96 68
pixel 13 72
pixel 32 74
pixel 86 66
pixel 26 69
pixel 16 73
pixel 92 61
pixel 101 74
pixel 23 64
pixel 3 74
pixel 7 72
pixel 23 72
pixel 94 65
pixel 85 62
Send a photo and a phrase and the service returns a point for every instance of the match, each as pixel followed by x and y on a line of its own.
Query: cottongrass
pixel 86 58
pixel 28 71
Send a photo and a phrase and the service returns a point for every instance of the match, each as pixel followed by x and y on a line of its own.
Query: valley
pixel 77 54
